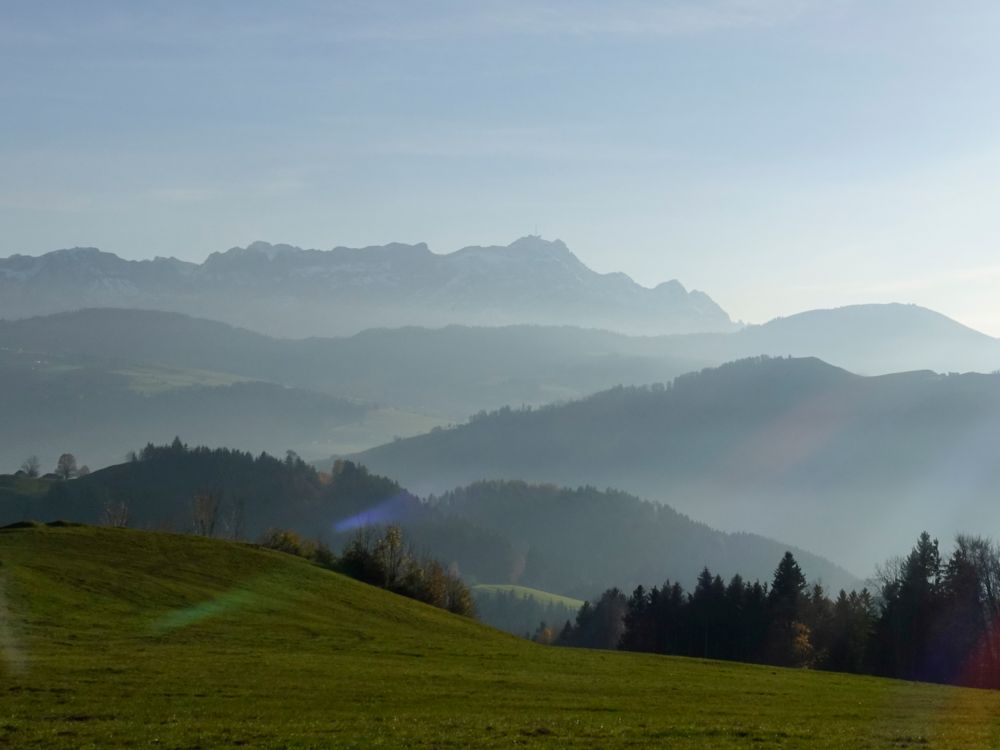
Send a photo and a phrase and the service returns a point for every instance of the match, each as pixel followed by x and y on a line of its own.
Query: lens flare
pixel 188 616
pixel 395 508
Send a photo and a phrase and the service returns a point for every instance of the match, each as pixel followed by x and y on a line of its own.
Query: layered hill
pixel 114 638
pixel 67 375
pixel 457 370
pixel 100 409
pixel 450 372
pixel 845 465
pixel 289 291
pixel 576 542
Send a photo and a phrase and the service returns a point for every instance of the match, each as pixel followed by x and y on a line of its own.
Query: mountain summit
pixel 290 291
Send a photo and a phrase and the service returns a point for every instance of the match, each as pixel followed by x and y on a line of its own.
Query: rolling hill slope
pixel 116 638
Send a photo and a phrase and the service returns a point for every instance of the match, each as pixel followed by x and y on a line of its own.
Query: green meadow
pixel 545 597
pixel 150 379
pixel 115 638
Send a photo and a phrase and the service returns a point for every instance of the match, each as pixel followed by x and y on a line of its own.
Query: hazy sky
pixel 778 154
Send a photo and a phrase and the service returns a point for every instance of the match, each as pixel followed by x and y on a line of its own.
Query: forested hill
pixel 795 449
pixel 241 494
pixel 591 538
pixel 575 542
pixel 618 434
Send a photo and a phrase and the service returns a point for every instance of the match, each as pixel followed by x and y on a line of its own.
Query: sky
pixel 780 155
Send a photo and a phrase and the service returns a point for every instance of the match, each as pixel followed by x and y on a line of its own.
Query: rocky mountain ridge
pixel 298 293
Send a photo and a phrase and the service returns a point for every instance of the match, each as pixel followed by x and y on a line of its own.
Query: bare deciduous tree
pixel 31 466
pixel 235 519
pixel 206 509
pixel 116 512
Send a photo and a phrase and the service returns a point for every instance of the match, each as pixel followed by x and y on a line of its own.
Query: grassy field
pixel 153 379
pixel 542 596
pixel 147 379
pixel 113 638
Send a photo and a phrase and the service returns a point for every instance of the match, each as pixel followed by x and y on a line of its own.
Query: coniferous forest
pixel 928 617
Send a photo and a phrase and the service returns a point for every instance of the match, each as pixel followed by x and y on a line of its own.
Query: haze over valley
pixel 477 375
pixel 796 449
pixel 368 388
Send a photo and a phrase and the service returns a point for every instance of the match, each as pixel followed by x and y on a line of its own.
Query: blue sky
pixel 778 154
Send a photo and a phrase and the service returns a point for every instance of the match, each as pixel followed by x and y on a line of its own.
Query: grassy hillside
pixel 524 611
pixel 115 638
pixel 544 597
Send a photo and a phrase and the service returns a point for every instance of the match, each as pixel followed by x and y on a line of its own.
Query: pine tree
pixel 786 631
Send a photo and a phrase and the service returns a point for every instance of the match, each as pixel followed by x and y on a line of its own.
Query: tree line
pixel 66 468
pixel 382 557
pixel 927 618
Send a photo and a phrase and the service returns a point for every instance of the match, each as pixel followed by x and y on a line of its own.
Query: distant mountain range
pixel 845 465
pixel 291 292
